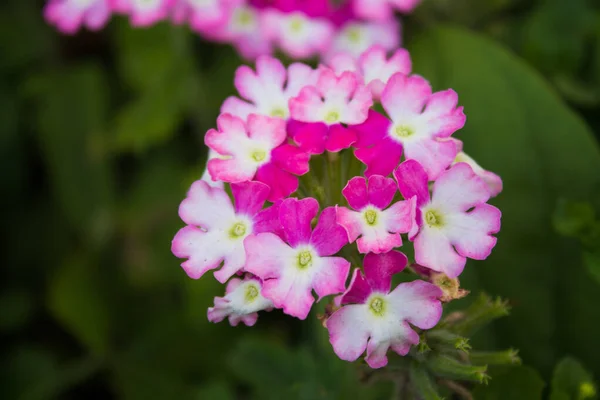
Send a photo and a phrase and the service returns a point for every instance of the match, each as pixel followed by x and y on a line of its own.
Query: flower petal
pixel 459 189
pixel 434 155
pixel 405 95
pixel 380 159
pixel 291 159
pixel 358 290
pixel 348 331
pixel 328 237
pixel 295 217
pixel 310 137
pixel 282 183
pixel 340 138
pixel 412 181
pixel 372 130
pixel 270 131
pixel 249 197
pixel 418 303
pixel 381 191
pixel 379 269
pixel 204 250
pixel 206 206
pixel 266 253
pixel 331 276
pixel 470 233
pixel 355 193
pixel 351 222
pixel 434 250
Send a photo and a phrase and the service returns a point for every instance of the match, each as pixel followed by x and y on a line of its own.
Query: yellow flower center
pixel 237 230
pixel 433 219
pixel 332 117
pixel 304 259
pixel 371 217
pixel 251 293
pixel 259 155
pixel 377 306
pixel 403 131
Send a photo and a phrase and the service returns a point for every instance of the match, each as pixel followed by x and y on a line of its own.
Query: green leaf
pixel 515 383
pixel 70 120
pixel 572 218
pixel 519 128
pixel 76 301
pixel 571 381
pixel 591 259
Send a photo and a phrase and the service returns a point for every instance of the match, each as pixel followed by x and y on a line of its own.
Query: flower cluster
pixel 297 140
pixel 300 28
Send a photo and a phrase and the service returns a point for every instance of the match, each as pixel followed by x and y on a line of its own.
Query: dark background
pixel 102 133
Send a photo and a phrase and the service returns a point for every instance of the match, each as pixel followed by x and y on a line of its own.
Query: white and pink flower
pixel 379 227
pixel 356 37
pixel 143 12
pixel 256 150
pixel 70 15
pixel 421 123
pixel 323 111
pixel 375 319
pixel 382 10
pixel 203 15
pixel 373 66
pixel 242 302
pixel 216 229
pixel 455 222
pixel 292 267
pixel 268 90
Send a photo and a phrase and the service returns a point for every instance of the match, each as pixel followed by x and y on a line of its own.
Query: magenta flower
pixel 356 37
pixel 374 66
pixel 297 34
pixel 421 123
pixel 455 222
pixel 382 10
pixel 493 181
pixel 293 267
pixel 70 15
pixel 216 230
pixel 256 150
pixel 379 228
pixel 242 302
pixel 374 319
pixel 203 15
pixel 268 90
pixel 322 110
pixel 145 12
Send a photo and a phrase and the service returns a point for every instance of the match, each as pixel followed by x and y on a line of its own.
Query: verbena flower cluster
pixel 300 28
pixel 317 177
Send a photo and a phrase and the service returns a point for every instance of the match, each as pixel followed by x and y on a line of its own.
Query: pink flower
pixel 203 14
pixel 297 34
pixel 374 66
pixel 374 319
pixel 378 227
pixel 70 15
pixel 493 181
pixel 269 89
pixel 333 101
pixel 291 269
pixel 216 230
pixel 421 123
pixel 242 302
pixel 244 29
pixel 206 175
pixel 256 150
pixel 144 12
pixel 356 37
pixel 455 222
pixel 382 10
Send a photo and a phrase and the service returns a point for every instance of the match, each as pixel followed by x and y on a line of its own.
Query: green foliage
pixel 515 383
pixel 519 128
pixel 571 381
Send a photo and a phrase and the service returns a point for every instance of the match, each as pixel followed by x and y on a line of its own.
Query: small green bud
pixel 480 313
pixel 587 390
pixel 446 340
pixel 446 366
pixel 508 357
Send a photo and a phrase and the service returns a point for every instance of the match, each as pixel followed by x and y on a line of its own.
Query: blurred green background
pixel 102 133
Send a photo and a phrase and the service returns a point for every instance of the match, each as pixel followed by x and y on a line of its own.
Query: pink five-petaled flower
pixel 356 37
pixel 456 222
pixel 421 123
pixel 70 15
pixel 374 319
pixel 216 230
pixel 203 14
pixel 290 271
pixel 297 34
pixel 242 302
pixel 322 109
pixel 143 12
pixel 256 150
pixel 269 89
pixel 374 66
pixel 382 10
pixel 379 227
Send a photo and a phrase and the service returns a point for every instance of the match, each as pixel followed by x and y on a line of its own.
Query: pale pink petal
pixel 226 139
pixel 97 15
pixel 270 75
pixel 249 197
pixel 282 183
pixel 206 206
pixel 204 250
pixel 401 342
pixel 295 217
pixel 380 159
pixel 307 105
pixel 266 253
pixel 294 298
pixel 299 76
pixel 378 241
pixel 331 277
pixel 434 250
pixel 377 69
pixel 405 95
pixel 442 114
pixel 351 221
pixel 231 170
pixel 434 155
pixel 328 237
pixel 401 217
pixel 267 130
pixel 418 303
pixel 379 269
pixel 459 189
pixel 238 107
pixel 412 181
pixel 377 10
pixel 381 191
pixel 342 62
pixel 349 331
pixel 493 181
pixel 470 233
